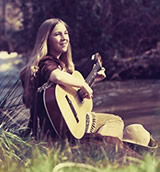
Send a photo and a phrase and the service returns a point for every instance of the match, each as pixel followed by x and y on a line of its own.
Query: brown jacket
pixel 33 99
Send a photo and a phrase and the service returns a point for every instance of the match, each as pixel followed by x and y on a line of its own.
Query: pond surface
pixel 136 101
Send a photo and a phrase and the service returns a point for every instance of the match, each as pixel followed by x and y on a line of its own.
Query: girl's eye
pixel 56 34
pixel 60 33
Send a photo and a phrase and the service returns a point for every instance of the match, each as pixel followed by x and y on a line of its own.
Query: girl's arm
pixel 66 79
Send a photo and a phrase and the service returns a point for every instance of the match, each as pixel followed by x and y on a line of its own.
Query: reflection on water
pixel 10 86
pixel 136 101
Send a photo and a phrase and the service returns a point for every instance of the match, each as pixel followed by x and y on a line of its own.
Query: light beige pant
pixel 106 124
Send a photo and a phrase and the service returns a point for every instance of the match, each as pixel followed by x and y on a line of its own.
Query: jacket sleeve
pixel 46 66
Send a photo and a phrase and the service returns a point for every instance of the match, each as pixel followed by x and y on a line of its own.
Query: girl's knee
pixel 118 117
pixel 119 120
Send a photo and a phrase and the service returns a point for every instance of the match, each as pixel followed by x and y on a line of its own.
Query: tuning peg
pixel 95 57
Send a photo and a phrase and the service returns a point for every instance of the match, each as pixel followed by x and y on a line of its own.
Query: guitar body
pixel 65 110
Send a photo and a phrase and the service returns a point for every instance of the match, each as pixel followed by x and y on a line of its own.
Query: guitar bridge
pixel 72 108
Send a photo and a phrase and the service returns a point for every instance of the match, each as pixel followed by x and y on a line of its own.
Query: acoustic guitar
pixel 67 108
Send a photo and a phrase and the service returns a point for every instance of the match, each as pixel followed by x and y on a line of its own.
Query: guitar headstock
pixel 97 59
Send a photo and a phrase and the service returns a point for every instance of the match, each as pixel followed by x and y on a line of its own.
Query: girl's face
pixel 58 40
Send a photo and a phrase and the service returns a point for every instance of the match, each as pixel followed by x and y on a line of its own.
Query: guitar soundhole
pixel 80 95
pixel 72 108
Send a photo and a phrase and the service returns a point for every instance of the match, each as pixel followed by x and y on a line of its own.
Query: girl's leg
pixel 107 125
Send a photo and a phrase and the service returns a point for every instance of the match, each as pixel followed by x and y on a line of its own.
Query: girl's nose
pixel 64 36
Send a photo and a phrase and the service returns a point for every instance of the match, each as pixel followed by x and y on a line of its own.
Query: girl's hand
pixel 100 75
pixel 87 91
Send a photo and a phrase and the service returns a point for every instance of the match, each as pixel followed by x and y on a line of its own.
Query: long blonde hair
pixel 41 45
pixel 41 49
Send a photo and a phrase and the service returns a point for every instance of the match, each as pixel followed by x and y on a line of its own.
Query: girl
pixel 51 62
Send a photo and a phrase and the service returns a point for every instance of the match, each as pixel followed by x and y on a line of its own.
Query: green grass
pixel 30 156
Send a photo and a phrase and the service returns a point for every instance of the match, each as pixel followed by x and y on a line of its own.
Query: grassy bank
pixel 30 156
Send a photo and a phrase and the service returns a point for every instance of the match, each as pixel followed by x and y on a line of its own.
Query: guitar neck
pixel 90 78
pixel 92 75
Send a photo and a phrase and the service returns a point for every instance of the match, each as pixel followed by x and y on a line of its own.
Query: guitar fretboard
pixel 92 75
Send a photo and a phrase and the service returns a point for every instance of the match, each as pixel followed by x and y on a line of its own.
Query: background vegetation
pixel 30 156
pixel 125 32
pixel 121 30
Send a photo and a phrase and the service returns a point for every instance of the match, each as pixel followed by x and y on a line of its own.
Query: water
pixel 136 101
pixel 14 116
pixel 10 65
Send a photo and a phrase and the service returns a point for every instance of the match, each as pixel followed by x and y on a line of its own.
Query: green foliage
pixel 129 27
pixel 97 25
pixel 30 156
